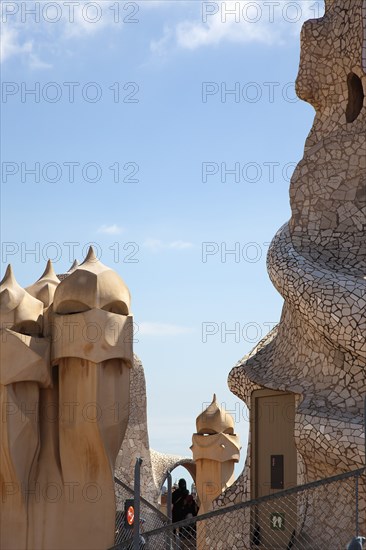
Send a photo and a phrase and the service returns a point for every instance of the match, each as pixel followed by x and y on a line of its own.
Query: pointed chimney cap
pixel 215 419
pixel 44 288
pixel 92 285
pixel 75 264
pixel 11 293
pixel 18 309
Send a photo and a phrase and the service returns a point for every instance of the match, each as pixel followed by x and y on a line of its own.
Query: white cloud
pixel 156 3
pixel 88 18
pixel 239 21
pixel 191 35
pixel 180 245
pixel 60 22
pixel 11 44
pixel 110 229
pixel 159 47
pixel 36 63
pixel 156 245
pixel 162 329
pixel 52 26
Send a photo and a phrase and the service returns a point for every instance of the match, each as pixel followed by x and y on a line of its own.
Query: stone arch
pixel 186 463
pixel 164 463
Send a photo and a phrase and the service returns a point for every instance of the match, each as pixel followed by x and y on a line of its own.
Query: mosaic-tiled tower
pixel 305 382
pixel 317 261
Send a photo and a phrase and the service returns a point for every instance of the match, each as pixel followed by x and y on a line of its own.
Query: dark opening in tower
pixel 355 97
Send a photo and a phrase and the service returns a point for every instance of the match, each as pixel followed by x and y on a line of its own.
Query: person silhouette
pixel 179 501
pixel 356 543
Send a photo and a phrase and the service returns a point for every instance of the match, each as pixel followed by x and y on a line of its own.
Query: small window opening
pixel 355 97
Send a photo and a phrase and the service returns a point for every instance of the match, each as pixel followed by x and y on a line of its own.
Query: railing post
pixel 357 525
pixel 169 497
pixel 364 425
pixel 169 509
pixel 136 490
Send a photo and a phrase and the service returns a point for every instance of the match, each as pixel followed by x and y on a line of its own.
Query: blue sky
pixel 152 100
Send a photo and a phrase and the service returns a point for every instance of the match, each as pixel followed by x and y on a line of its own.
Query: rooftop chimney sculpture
pixel 65 359
pixel 215 449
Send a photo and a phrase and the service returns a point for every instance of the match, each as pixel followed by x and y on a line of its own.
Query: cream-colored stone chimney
pixel 216 449
pixel 66 355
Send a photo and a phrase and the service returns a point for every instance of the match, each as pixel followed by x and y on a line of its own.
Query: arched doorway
pixel 185 469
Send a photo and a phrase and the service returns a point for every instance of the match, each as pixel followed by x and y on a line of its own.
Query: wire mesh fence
pixel 325 514
pixel 150 517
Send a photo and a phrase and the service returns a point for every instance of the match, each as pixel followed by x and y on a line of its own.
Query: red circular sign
pixel 130 515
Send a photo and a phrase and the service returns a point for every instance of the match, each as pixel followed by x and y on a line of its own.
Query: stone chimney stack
pixel 215 449
pixel 66 355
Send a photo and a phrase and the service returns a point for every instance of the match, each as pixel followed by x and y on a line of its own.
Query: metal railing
pixel 324 514
pixel 151 518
